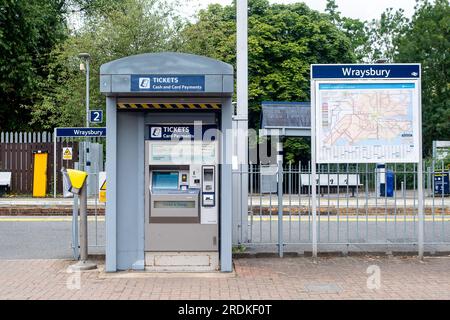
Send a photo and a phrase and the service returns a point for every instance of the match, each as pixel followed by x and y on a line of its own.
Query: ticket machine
pixel 182 197
pixel 168 163
pixel 183 182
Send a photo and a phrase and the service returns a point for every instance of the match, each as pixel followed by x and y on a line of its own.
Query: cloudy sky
pixel 362 9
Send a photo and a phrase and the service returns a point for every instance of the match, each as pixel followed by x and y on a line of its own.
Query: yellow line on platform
pixel 256 219
pixel 45 219
pixel 352 219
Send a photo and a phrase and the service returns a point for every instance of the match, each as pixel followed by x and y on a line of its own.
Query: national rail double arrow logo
pixel 144 83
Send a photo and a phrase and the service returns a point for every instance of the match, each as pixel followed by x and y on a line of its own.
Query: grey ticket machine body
pixel 168 162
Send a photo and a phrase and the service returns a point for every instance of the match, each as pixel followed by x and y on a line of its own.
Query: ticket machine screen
pixel 164 180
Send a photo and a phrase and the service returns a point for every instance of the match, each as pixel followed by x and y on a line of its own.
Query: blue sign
pixel 175 83
pixel 81 132
pixel 182 132
pixel 441 184
pixel 365 71
pixel 96 116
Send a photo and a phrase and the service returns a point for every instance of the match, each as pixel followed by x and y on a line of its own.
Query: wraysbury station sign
pixel 168 83
pixel 73 132
pixel 381 71
pixel 80 132
pixel 368 113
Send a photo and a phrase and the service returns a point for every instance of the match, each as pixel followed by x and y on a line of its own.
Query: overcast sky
pixel 362 9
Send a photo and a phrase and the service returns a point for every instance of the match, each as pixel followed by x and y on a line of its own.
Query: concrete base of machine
pixel 182 261
pixel 83 265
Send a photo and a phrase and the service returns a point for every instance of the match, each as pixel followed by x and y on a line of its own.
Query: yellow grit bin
pixel 40 174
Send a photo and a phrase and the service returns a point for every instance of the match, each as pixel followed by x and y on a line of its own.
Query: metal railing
pixel 354 213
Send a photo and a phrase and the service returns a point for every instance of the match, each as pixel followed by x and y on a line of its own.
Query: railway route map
pixel 367 122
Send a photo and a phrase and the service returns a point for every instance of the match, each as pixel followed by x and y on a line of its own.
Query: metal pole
pixel 54 163
pixel 420 194
pixel 280 209
pixel 86 58
pixel 83 264
pixel 83 224
pixel 87 91
pixel 242 103
pixel 88 144
pixel 75 235
pixel 313 171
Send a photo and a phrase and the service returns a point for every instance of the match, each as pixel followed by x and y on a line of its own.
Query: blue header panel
pixel 168 83
pixel 366 71
pixel 81 132
pixel 185 132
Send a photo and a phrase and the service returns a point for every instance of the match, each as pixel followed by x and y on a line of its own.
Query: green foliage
pixel 239 248
pixel 94 8
pixel 283 41
pixel 297 149
pixel 42 87
pixel 128 27
pixel 424 39
pixel 427 40
pixel 383 34
pixel 29 30
pixel 354 29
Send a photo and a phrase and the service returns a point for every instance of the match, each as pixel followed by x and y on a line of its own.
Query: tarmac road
pixel 50 237
pixel 42 237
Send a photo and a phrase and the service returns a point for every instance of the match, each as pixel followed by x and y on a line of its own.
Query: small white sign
pixel 156 132
pixel 67 153
pixel 144 83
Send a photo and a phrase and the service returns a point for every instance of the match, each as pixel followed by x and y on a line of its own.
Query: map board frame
pixel 331 78
pixel 365 73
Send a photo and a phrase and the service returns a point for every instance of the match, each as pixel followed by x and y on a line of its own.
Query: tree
pixel 426 39
pixel 283 41
pixel 382 35
pixel 126 28
pixel 29 30
pixel 423 39
pixel 93 8
pixel 354 29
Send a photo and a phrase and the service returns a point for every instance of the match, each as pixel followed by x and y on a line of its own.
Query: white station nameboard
pixel 366 113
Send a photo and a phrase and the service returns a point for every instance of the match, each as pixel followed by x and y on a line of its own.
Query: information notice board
pixel 372 118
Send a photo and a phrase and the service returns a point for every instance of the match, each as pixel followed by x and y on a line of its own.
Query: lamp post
pixel 86 57
pixel 241 116
pixel 84 263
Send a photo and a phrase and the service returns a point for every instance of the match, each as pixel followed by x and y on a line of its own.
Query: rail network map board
pixel 367 121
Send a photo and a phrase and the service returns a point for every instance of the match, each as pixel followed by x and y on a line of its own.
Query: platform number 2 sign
pixel 96 116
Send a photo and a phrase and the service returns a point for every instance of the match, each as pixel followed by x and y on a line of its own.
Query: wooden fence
pixel 16 156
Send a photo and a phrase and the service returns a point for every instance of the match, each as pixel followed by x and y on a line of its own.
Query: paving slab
pixel 366 277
